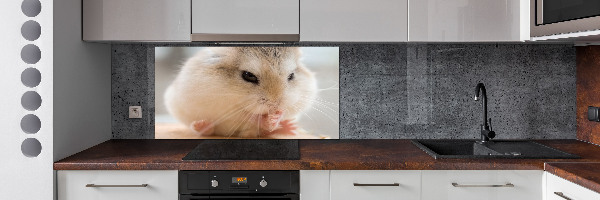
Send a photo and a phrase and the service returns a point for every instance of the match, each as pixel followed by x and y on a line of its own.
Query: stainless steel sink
pixel 492 149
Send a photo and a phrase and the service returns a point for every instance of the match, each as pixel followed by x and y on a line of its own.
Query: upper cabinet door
pixel 244 20
pixel 354 20
pixel 468 20
pixel 136 20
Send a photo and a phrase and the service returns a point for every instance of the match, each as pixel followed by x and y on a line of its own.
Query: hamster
pixel 242 91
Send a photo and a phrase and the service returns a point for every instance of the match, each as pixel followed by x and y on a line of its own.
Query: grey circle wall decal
pixel 31 100
pixel 31 54
pixel 31 147
pixel 31 77
pixel 31 30
pixel 31 8
pixel 30 124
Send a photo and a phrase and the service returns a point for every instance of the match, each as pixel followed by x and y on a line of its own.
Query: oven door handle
pixel 250 197
pixel 245 196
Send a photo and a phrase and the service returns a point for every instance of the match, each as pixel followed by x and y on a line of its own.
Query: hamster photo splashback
pixel 247 92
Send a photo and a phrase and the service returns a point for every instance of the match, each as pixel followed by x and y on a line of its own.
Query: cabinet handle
pixel 560 194
pixel 505 185
pixel 361 184
pixel 94 185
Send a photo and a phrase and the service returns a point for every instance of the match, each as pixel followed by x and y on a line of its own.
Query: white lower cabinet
pixel 482 184
pixel 375 185
pixel 340 185
pixel 314 184
pixel 117 185
pixel 561 189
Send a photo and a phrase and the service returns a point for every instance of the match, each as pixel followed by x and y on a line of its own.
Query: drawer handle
pixel 505 185
pixel 362 184
pixel 94 185
pixel 560 194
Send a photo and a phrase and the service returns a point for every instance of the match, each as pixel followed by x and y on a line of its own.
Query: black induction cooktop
pixel 245 149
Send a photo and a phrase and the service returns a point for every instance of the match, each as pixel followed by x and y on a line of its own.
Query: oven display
pixel 239 180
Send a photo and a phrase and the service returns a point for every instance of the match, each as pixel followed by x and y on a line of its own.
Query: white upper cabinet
pixel 307 20
pixel 354 20
pixel 136 20
pixel 468 20
pixel 243 20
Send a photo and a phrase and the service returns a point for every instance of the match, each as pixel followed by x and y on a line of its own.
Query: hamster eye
pixel 250 77
pixel 291 77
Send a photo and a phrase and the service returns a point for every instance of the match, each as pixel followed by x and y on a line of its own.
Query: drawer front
pixel 162 185
pixel 314 185
pixel 566 189
pixel 343 185
pixel 482 184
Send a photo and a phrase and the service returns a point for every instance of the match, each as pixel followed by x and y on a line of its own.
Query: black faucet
pixel 486 130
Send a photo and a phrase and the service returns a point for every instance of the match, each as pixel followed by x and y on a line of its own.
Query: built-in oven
pixel 554 17
pixel 234 185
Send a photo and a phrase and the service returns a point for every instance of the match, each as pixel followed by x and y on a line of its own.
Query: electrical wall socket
pixel 135 112
pixel 593 114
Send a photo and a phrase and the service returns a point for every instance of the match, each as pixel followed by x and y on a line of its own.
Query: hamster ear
pixel 212 56
pixel 298 53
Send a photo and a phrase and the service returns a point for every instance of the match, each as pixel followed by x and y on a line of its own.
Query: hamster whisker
pixel 326 115
pixel 230 113
pixel 326 102
pixel 232 131
pixel 319 99
pixel 326 107
pixel 332 107
pixel 303 112
pixel 245 119
pixel 328 89
pixel 335 86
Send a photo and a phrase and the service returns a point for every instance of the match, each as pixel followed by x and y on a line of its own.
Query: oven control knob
pixel 214 183
pixel 263 183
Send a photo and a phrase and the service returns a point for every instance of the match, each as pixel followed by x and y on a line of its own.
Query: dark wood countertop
pixel 375 154
pixel 581 173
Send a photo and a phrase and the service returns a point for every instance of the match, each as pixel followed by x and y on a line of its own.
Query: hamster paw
pixel 203 127
pixel 287 127
pixel 271 121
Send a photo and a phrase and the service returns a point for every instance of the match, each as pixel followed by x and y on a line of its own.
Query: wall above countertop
pixel 402 91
